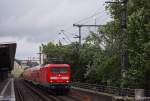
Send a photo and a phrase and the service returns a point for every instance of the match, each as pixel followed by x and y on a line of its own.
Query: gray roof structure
pixel 7 55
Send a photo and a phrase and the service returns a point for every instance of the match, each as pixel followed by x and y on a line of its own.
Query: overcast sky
pixel 32 22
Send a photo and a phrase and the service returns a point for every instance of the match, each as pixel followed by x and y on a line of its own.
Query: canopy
pixel 7 54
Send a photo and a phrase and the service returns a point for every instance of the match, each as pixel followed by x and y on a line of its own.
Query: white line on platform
pixel 4 89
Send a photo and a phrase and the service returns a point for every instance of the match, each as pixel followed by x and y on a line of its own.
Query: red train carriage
pixel 52 76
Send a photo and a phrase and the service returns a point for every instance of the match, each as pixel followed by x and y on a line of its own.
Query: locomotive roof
pixel 44 66
pixel 58 65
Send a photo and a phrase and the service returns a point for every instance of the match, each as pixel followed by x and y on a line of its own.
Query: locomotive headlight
pixel 53 78
pixel 65 78
pixel 67 81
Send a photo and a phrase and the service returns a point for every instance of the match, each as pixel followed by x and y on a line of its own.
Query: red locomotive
pixel 52 76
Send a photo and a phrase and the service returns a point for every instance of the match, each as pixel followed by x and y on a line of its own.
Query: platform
pixel 7 92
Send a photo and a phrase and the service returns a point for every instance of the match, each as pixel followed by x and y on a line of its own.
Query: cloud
pixel 38 21
pixel 25 48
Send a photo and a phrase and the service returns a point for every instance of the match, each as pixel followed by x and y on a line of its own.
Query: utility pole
pixel 79 36
pixel 80 26
pixel 95 24
pixel 124 36
pixel 40 55
pixel 123 26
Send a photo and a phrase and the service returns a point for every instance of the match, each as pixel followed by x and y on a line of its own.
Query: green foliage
pixel 99 58
pixel 137 41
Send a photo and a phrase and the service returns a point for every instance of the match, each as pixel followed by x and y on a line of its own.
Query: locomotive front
pixel 59 76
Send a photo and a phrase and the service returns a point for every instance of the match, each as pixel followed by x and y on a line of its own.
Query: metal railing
pixel 106 89
pixel 147 93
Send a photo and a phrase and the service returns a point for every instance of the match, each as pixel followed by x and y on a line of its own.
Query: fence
pixel 109 89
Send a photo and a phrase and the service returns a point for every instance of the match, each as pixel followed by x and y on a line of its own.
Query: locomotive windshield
pixel 63 70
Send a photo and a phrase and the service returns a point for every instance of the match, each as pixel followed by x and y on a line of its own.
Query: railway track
pixel 27 92
pixel 24 93
pixel 53 96
pixel 19 96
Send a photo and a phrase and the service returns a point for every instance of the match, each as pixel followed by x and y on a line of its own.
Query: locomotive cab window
pixel 56 70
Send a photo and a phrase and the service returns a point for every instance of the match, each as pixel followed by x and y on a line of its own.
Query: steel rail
pixel 51 95
pixel 19 94
pixel 42 96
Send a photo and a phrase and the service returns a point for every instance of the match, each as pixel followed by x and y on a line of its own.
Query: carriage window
pixel 59 70
pixel 54 70
pixel 63 70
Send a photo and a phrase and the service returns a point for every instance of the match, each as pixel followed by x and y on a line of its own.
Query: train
pixel 50 76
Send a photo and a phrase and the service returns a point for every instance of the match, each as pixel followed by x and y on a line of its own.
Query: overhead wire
pixel 62 31
pixel 85 20
pixel 56 38
pixel 95 14
pixel 64 39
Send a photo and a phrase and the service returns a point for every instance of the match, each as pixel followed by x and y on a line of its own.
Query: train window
pixel 63 70
pixel 54 70
pixel 59 70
